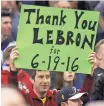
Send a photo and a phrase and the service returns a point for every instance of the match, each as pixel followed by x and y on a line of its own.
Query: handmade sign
pixel 56 38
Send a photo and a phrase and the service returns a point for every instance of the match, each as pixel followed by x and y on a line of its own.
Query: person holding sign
pixel 98 73
pixel 35 90
pixel 91 84
pixel 99 53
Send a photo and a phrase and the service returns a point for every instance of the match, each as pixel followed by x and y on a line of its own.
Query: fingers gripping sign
pixel 93 60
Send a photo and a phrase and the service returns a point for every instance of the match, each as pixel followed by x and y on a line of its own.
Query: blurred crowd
pixel 24 87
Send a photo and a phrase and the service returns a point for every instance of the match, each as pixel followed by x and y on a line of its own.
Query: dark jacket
pixel 97 73
pixel 25 87
pixel 98 89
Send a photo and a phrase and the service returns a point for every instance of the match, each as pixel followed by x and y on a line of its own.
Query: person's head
pixel 41 82
pixel 64 77
pixel 68 96
pixel 6 24
pixel 11 97
pixel 66 4
pixel 68 76
pixel 8 4
pixel 99 49
pixel 7 51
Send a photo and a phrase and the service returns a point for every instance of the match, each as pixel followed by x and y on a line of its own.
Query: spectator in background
pixel 64 4
pixel 11 97
pixel 68 96
pixel 8 5
pixel 65 79
pixel 6 62
pixel 13 7
pixel 6 22
pixel 99 50
pixel 100 33
pixel 6 55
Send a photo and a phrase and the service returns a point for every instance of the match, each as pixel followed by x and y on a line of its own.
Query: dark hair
pixel 59 80
pixel 33 74
pixel 5 12
pixel 17 2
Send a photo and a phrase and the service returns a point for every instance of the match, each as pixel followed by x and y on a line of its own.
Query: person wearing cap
pixel 68 96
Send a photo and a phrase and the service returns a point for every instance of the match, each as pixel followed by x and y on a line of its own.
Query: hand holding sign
pixel 13 55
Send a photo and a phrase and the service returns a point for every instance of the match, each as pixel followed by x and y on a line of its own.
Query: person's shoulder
pixel 23 74
pixel 53 92
pixel 98 70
